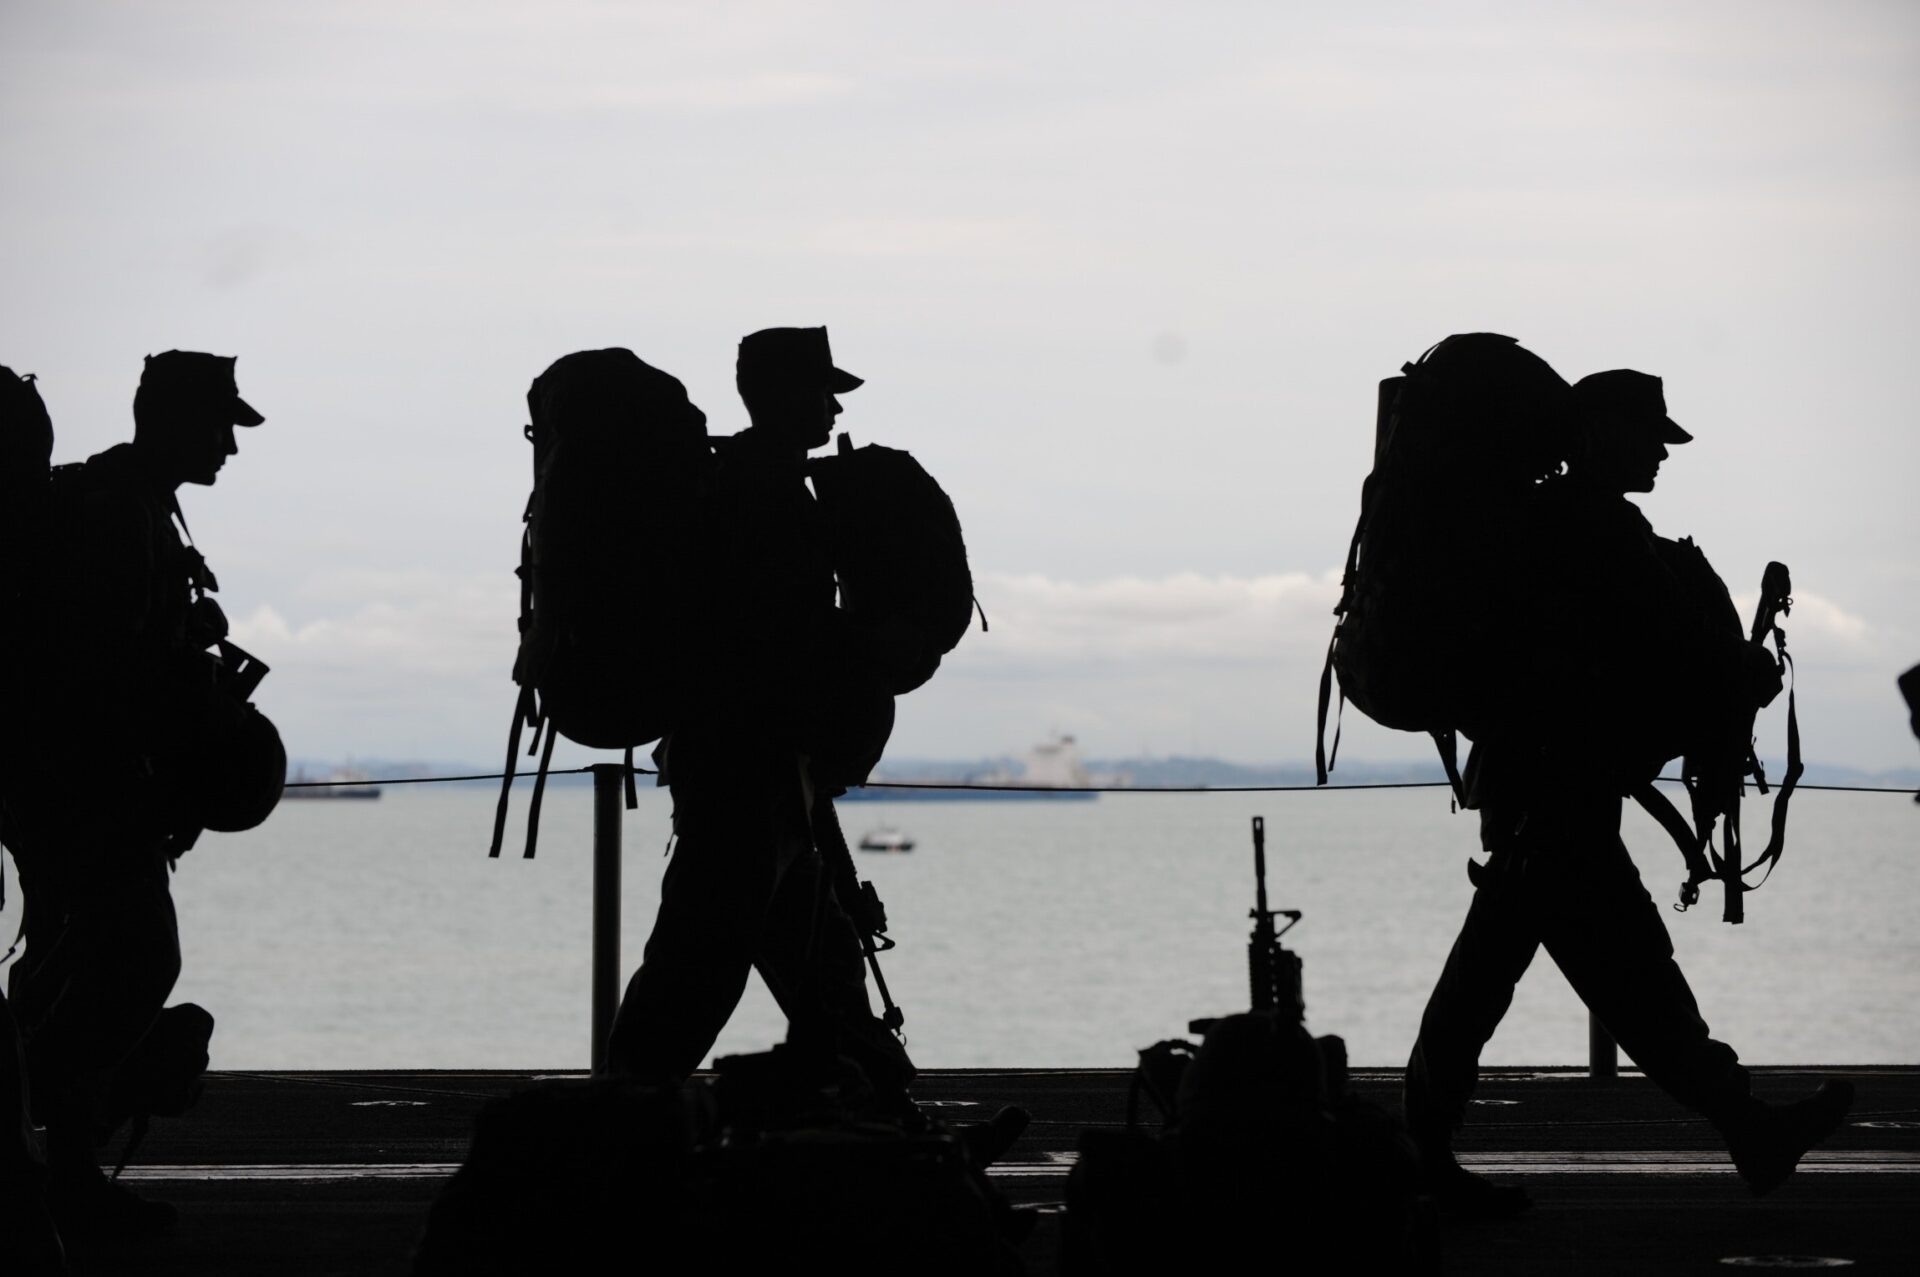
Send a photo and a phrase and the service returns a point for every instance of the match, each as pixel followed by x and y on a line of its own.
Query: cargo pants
pixel 1559 877
pixel 747 890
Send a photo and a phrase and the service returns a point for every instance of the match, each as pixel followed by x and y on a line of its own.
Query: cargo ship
pixel 1049 772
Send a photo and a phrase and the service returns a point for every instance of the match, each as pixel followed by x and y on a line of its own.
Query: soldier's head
pixel 184 413
pixel 788 382
pixel 1625 429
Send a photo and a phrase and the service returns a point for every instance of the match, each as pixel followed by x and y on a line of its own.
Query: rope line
pixel 996 787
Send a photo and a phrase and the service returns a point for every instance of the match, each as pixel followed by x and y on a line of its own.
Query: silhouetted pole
pixel 1603 1055
pixel 609 781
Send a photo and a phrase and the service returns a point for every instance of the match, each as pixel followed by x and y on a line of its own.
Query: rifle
pixel 860 900
pixel 1273 971
pixel 1715 787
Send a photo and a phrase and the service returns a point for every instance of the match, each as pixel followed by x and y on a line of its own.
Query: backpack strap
pixel 1448 743
pixel 1777 834
pixel 1323 760
pixel 1691 845
pixel 539 785
pixel 523 711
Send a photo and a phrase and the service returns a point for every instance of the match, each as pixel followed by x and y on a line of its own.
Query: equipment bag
pixel 1425 639
pixel 899 556
pixel 620 462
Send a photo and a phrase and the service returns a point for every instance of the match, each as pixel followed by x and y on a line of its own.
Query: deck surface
pixel 312 1173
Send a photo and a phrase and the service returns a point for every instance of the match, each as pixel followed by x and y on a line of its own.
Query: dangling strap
pixel 1669 818
pixel 983 613
pixel 539 790
pixel 1448 743
pixel 633 794
pixel 522 711
pixel 1730 867
pixel 1777 838
pixel 1322 762
pixel 203 578
pixel 858 900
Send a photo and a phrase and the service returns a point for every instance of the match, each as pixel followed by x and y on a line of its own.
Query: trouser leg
pixel 1496 943
pixel 1610 941
pixel 713 904
pixel 101 958
pixel 813 964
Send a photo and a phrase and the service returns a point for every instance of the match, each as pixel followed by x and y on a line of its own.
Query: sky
pixel 1123 276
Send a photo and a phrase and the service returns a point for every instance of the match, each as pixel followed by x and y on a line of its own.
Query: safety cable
pixel 995 787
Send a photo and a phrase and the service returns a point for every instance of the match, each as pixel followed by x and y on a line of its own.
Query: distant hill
pixel 1172 772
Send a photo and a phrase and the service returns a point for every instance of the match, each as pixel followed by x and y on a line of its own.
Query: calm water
pixel 378 934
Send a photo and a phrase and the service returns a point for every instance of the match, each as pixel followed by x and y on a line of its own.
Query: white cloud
pixel 1187 618
pixel 1820 628
pixel 417 664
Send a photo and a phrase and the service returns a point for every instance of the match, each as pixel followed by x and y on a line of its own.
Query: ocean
pixel 379 935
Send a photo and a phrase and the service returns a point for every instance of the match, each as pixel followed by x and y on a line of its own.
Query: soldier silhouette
pixel 119 669
pixel 780 701
pixel 1628 658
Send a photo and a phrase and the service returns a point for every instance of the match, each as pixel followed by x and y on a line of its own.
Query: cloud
pixel 1186 618
pixel 400 664
pixel 1819 627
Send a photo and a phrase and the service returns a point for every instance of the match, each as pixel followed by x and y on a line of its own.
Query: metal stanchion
pixel 609 782
pixel 1603 1055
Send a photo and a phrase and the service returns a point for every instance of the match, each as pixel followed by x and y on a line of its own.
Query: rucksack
pixel 620 461
pixel 1426 639
pixel 899 557
pixel 26 448
pixel 216 761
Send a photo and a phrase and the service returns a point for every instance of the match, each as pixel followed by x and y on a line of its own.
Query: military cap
pixel 1636 396
pixel 791 356
pixel 193 379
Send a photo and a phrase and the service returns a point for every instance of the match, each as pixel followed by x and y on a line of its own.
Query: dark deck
pixel 308 1173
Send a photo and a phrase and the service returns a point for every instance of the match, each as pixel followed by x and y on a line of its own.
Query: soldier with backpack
pixel 787 697
pixel 144 737
pixel 1536 612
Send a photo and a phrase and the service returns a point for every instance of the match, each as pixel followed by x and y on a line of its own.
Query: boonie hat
pixel 793 356
pixel 192 378
pixel 1637 396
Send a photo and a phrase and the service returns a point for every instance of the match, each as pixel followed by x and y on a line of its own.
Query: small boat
pixel 885 838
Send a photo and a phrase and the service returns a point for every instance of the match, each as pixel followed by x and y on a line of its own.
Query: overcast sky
pixel 1122 275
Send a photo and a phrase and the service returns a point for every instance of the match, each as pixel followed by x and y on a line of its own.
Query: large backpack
pixel 898 555
pixel 26 447
pixel 621 459
pixel 1427 639
pixel 216 762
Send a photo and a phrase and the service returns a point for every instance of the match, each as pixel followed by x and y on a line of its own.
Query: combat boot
pixel 1769 1140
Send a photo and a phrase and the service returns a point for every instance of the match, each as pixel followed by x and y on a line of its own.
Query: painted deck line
pixel 1678 1162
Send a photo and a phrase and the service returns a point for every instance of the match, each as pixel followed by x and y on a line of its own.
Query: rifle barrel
pixel 1260 866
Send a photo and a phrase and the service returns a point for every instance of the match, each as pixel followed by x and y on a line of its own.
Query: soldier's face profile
pixel 1642 461
pixel 205 443
pixel 1624 455
pixel 830 412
